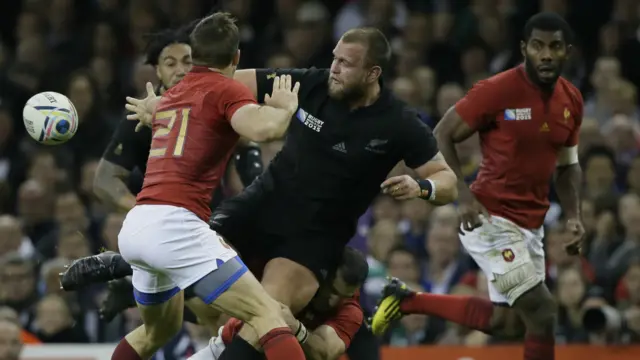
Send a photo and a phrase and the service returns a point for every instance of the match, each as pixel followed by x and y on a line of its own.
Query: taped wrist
pixel 427 189
pixel 301 333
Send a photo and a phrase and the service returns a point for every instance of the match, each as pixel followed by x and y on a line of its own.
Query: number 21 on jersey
pixel 176 120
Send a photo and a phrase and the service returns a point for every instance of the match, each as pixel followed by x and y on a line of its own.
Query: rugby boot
pixel 99 268
pixel 119 298
pixel 388 309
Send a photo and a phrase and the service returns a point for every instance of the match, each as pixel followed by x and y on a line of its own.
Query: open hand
pixel 143 109
pixel 283 96
pixel 402 187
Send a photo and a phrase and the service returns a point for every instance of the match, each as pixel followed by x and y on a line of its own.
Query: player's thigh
pixel 298 266
pixel 500 249
pixel 233 290
pixel 536 251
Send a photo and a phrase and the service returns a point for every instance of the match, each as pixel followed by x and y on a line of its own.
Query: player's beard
pixel 534 75
pixel 345 92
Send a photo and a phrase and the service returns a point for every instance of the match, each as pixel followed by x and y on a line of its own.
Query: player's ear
pixel 523 48
pixel 569 49
pixel 374 74
pixel 158 72
pixel 236 58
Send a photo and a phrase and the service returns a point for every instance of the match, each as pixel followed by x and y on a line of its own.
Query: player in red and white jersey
pixel 528 119
pixel 325 327
pixel 165 237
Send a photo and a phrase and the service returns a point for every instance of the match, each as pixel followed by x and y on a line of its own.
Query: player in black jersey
pixel 122 167
pixel 348 134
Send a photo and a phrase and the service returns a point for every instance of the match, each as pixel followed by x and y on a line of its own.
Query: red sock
pixel 472 312
pixel 539 347
pixel 124 351
pixel 280 344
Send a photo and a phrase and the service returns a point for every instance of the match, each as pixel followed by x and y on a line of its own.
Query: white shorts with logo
pixel 169 248
pixel 501 246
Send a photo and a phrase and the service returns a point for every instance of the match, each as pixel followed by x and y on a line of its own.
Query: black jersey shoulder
pixel 128 148
pixel 309 80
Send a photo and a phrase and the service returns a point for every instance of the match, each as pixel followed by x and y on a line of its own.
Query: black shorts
pixel 248 222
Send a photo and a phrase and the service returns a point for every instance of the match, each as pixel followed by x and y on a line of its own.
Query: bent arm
pixel 444 180
pixel 109 185
pixel 261 123
pixel 324 344
pixel 451 130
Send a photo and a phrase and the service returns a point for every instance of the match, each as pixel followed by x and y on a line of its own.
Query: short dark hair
pixel 156 42
pixel 548 21
pixel 215 40
pixel 378 48
pixel 354 267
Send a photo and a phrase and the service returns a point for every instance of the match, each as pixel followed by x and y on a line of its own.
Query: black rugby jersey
pixel 334 159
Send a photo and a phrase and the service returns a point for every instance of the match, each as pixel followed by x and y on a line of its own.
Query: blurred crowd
pixel 91 50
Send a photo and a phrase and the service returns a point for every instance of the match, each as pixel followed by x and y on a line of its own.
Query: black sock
pixel 240 350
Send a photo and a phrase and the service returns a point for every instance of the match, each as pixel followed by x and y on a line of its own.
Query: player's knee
pixel 538 310
pixel 516 282
pixel 160 335
pixel 507 324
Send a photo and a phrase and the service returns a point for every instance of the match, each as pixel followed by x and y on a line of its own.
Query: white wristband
pixel 432 196
pixel 302 334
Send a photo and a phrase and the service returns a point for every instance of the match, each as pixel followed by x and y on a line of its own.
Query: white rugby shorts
pixel 501 246
pixel 169 248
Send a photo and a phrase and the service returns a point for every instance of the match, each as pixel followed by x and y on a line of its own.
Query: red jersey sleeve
pixel 579 111
pixel 483 102
pixel 347 321
pixel 234 96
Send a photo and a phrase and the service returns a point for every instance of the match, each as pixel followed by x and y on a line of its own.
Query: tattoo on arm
pixel 110 186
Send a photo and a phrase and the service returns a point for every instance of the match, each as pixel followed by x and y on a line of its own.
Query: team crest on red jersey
pixel 567 115
pixel 508 255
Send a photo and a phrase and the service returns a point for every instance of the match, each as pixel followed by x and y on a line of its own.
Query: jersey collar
pixel 202 69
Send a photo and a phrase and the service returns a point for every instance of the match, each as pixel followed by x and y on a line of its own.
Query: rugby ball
pixel 50 118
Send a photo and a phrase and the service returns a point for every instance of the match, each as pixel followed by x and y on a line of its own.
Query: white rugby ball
pixel 50 118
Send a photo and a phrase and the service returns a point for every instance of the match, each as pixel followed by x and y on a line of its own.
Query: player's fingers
pixel 296 88
pixel 276 83
pixel 130 107
pixel 150 91
pixel 139 126
pixel 486 214
pixel 267 97
pixel 287 83
pixel 133 101
pixel 395 180
pixel 132 117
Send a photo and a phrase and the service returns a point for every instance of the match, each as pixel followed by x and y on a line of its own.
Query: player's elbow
pixel 269 131
pixel 260 123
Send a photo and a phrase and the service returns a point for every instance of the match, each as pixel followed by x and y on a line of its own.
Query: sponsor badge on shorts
pixel 508 255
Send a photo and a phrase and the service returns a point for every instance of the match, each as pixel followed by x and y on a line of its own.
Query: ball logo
pixel 508 255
